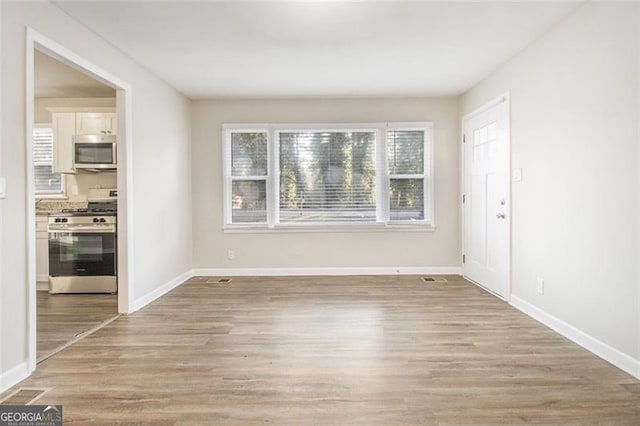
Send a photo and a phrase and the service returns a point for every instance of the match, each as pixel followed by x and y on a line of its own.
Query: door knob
pixel 501 216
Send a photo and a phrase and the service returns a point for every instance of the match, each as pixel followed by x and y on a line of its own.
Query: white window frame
pixel 229 178
pixel 383 177
pixel 427 171
pixel 51 195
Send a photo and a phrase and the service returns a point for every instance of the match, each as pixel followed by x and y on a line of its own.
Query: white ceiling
pixel 53 79
pixel 226 49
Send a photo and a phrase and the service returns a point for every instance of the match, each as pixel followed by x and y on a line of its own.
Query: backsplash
pixel 46 206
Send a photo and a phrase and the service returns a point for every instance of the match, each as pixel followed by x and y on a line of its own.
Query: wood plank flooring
pixel 62 317
pixel 333 350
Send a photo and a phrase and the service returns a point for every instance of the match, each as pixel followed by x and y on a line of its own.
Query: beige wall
pixel 574 113
pixel 161 161
pixel 42 115
pixel 396 249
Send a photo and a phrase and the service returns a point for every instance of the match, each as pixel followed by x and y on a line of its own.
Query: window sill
pixel 263 229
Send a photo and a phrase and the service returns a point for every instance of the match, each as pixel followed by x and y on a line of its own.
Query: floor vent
pixel 224 280
pixel 24 396
pixel 434 280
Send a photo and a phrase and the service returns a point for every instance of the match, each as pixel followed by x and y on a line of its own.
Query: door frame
pixel 37 41
pixel 505 97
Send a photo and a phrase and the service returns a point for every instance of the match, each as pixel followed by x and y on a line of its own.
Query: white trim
pixel 431 194
pixel 14 376
pixel 35 40
pixel 638 233
pixel 124 108
pixel 31 203
pixel 333 228
pixel 590 343
pixel 269 272
pixel 143 301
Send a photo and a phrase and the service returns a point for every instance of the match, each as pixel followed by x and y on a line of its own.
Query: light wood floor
pixel 62 317
pixel 333 350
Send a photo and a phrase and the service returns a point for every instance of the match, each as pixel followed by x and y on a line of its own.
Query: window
pixel 327 176
pixel 248 177
pixel 292 175
pixel 405 157
pixel 47 182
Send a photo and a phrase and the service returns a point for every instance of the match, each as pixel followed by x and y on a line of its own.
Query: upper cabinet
pixel 68 124
pixel 64 127
pixel 92 123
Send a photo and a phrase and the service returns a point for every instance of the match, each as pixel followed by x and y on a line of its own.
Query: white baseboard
pixel 14 376
pixel 270 272
pixel 42 286
pixel 143 301
pixel 590 343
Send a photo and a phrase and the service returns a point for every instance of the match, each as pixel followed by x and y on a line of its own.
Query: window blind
pixel 327 176
pixel 406 163
pixel 46 181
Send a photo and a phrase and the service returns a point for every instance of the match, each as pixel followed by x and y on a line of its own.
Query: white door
pixel 486 199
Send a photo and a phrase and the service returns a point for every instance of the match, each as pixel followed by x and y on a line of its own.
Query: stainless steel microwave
pixel 95 152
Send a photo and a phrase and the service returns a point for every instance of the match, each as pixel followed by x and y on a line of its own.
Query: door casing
pixel 124 108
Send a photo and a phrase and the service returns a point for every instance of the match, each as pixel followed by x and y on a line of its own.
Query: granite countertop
pixel 44 207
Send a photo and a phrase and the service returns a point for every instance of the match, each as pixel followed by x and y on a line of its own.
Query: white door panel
pixel 487 203
pixel 478 217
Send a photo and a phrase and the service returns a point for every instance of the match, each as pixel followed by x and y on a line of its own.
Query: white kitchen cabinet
pixel 64 127
pixel 42 249
pixel 96 123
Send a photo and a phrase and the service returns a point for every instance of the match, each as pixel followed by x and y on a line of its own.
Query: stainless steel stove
pixel 83 246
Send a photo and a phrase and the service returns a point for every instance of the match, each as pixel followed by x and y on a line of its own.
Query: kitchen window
pixel 47 182
pixel 305 176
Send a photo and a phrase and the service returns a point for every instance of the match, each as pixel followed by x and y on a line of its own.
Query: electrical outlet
pixel 231 254
pixel 540 285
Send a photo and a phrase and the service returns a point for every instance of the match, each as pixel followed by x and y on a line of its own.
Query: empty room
pixel 319 212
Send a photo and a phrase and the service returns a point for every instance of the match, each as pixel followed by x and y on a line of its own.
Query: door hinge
pixel 464 138
pixel 464 198
pixel 464 258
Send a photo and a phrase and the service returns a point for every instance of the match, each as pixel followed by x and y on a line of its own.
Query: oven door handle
pixel 109 229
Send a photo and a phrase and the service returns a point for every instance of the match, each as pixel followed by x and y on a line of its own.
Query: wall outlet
pixel 540 285
pixel 231 254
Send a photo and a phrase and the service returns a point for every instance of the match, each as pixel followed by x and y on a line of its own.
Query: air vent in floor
pixel 224 280
pixel 24 396
pixel 434 279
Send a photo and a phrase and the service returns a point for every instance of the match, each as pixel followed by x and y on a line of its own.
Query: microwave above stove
pixel 95 153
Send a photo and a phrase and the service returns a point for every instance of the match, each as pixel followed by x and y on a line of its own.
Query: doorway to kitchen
pixel 79 213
